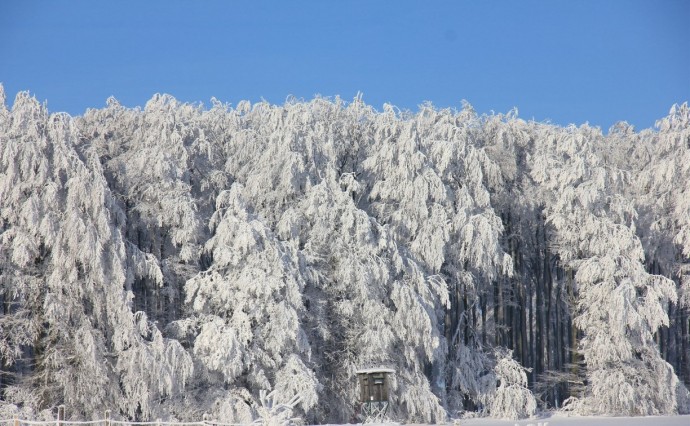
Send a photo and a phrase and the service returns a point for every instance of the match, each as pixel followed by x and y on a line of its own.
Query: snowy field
pixel 585 421
pixel 559 420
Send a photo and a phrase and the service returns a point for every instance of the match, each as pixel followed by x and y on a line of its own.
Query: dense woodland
pixel 173 261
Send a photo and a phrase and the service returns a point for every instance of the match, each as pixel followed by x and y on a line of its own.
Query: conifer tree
pixel 248 306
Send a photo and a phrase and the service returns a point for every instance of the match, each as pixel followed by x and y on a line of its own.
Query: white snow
pixel 561 420
pixel 557 420
pixel 375 370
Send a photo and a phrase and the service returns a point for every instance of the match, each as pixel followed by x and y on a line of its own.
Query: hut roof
pixel 375 370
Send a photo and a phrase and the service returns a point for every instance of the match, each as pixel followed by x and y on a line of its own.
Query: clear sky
pixel 572 61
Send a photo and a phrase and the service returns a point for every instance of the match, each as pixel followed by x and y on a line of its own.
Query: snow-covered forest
pixel 174 261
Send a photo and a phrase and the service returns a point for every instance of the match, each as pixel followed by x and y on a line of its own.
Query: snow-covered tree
pixel 367 304
pixel 248 306
pixel 511 398
pixel 149 159
pixel 66 275
pixel 619 304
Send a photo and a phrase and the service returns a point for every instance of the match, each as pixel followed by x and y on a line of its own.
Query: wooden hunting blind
pixel 373 392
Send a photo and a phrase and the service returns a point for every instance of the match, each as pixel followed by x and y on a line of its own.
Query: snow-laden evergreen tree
pixel 247 309
pixel 66 277
pixel 443 216
pixel 511 398
pixel 674 145
pixel 277 153
pixel 148 157
pixel 368 304
pixel 661 193
pixel 18 326
pixel 619 304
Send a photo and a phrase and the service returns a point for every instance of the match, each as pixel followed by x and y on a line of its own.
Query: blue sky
pixel 563 61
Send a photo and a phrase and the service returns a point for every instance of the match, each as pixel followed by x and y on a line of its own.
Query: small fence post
pixel 61 414
pixel 204 418
pixel 107 417
pixel 16 422
pixel 158 422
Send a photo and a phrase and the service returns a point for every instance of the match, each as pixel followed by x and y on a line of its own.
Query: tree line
pixel 173 261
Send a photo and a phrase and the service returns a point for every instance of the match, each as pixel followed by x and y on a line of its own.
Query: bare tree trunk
pixel 532 352
pixel 482 301
pixel 499 315
pixel 574 355
pixel 685 346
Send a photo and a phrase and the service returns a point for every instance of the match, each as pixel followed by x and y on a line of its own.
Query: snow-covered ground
pixel 557 420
